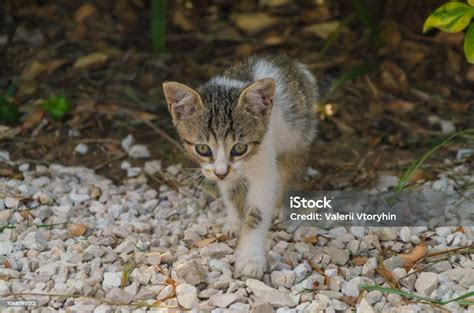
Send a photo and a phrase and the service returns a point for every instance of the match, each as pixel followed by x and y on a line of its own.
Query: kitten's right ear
pixel 182 100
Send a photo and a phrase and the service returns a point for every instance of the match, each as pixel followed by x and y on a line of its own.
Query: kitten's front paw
pixel 252 266
pixel 231 229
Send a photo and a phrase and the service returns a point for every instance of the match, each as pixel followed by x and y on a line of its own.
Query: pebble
pixel 426 283
pixel 35 241
pixel 223 300
pixel 139 152
pixel 81 148
pixel 187 296
pixel 191 272
pixel 6 247
pixel 127 142
pixel 338 256
pixel 112 280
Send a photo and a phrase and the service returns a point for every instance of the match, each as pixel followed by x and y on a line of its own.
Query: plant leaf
pixel 56 106
pixel 8 112
pixel 471 2
pixel 469 43
pixel 451 17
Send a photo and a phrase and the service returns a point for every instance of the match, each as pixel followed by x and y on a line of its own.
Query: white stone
pixel 187 296
pixel 275 297
pixel 364 307
pixel 34 241
pixel 127 142
pixel 349 289
pixel 283 278
pixel 338 256
pixel 12 203
pixel 152 167
pixel 139 152
pixel 223 300
pixel 405 234
pixel 426 283
pixel 112 280
pixel 81 148
pixel 6 247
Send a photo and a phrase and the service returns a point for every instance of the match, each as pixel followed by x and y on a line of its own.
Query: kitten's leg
pixel 234 196
pixel 292 167
pixel 250 256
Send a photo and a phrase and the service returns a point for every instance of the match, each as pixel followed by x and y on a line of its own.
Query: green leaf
pixel 469 44
pixel 450 17
pixel 471 2
pixel 56 106
pixel 8 112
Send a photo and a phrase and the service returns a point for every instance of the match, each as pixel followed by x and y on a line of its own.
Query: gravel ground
pixel 130 245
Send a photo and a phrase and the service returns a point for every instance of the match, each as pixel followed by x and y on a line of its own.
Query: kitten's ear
pixel 182 100
pixel 258 97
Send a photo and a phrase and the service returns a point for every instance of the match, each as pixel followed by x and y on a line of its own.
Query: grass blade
pixel 417 163
pixel 158 25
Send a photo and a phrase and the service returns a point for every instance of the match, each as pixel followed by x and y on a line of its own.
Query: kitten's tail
pixel 326 80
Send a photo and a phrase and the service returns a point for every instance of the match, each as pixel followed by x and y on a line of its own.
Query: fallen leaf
pixel 84 11
pixel 77 229
pixel 359 260
pixel 322 30
pixel 253 22
pixel 142 115
pixel 418 176
pixel 400 106
pixel 244 49
pixel 204 242
pixel 393 78
pixel 37 68
pixel 415 254
pixel 32 119
pixel 459 106
pixel 273 3
pixel 470 73
pixel 180 20
pixel 352 301
pixel 413 52
pixel 311 239
pixel 460 229
pixel 93 59
pixel 78 33
pixel 451 39
pixel 387 275
pixel 273 40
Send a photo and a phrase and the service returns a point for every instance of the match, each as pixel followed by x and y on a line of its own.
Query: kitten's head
pixel 221 127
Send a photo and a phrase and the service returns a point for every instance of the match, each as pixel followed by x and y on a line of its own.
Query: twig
pixel 104 164
pixel 163 134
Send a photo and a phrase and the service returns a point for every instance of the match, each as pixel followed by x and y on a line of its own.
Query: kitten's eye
pixel 238 149
pixel 203 150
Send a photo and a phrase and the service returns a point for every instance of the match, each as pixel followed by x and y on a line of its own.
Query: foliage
pixel 454 17
pixel 158 25
pixel 56 106
pixel 8 111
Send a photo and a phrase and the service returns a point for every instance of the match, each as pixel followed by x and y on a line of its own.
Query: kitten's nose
pixel 221 173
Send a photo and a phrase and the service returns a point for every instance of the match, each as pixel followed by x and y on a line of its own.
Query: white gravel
pixel 170 246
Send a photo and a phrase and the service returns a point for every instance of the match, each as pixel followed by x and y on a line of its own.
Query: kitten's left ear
pixel 258 97
pixel 183 101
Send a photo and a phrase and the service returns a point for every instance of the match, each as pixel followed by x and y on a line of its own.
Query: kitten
pixel 250 129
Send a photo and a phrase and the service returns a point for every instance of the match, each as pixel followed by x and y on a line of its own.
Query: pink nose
pixel 222 175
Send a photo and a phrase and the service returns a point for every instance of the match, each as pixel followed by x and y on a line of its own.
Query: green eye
pixel 238 149
pixel 203 150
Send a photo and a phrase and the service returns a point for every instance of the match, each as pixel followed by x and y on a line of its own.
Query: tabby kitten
pixel 250 129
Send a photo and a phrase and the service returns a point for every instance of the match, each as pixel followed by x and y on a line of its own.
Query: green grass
pixel 158 25
pixel 417 163
pixel 459 300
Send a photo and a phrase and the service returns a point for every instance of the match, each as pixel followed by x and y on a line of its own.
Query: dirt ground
pixel 378 122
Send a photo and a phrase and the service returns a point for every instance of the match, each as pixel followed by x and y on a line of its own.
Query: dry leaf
pixel 311 239
pixel 393 78
pixel 244 49
pixel 204 242
pixel 418 176
pixel 387 275
pixel 400 106
pixel 322 30
pixel 415 254
pixel 32 119
pixel 180 20
pixel 77 229
pixel 142 115
pixel 459 106
pixel 470 73
pixel 359 260
pixel 273 3
pixel 84 11
pixel 273 40
pixel 93 59
pixel 253 22
pixel 37 68
pixel 352 301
